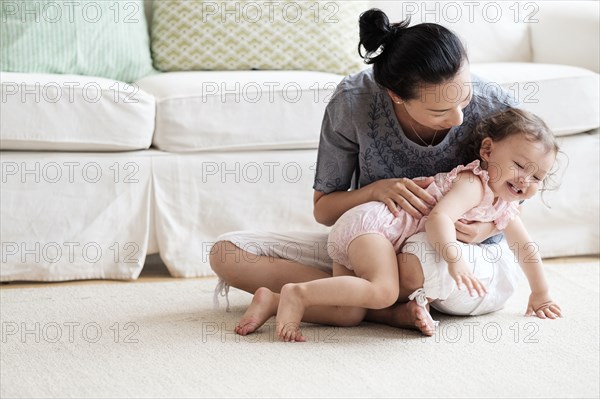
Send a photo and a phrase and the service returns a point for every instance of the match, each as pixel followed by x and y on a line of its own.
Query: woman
pixel 402 119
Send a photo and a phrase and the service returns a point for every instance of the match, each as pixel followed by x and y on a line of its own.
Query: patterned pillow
pixel 96 38
pixel 242 35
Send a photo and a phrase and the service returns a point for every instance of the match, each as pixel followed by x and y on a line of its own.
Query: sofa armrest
pixel 566 32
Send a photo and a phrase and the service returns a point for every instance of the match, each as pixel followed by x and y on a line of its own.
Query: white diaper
pixel 494 265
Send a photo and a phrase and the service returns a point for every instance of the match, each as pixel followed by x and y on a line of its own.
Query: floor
pixel 161 337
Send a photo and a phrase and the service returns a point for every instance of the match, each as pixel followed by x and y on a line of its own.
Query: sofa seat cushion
pixel 73 113
pixel 226 110
pixel 566 97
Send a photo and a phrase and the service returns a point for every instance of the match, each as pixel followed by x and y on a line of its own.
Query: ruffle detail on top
pixel 512 210
pixel 485 211
pixel 475 167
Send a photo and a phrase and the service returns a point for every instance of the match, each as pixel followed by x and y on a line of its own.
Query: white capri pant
pixel 493 264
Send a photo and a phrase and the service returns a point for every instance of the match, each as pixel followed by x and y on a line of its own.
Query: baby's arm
pixel 466 193
pixel 530 260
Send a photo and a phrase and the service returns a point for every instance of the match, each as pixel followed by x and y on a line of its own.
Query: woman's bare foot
pixel 263 307
pixel 404 315
pixel 421 318
pixel 289 314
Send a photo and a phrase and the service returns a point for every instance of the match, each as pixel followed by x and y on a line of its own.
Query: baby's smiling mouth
pixel 514 189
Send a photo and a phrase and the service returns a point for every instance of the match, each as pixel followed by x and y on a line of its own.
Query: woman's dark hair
pixel 404 58
pixel 507 123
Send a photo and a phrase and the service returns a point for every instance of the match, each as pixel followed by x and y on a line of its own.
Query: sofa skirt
pixel 73 216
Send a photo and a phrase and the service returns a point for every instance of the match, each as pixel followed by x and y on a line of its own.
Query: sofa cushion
pixel 94 38
pixel 492 31
pixel 73 113
pixel 577 42
pixel 566 97
pixel 239 109
pixel 566 221
pixel 243 35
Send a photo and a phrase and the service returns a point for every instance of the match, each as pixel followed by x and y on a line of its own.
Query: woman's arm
pixel 475 232
pixel 530 261
pixel 405 193
pixel 465 194
pixel 329 207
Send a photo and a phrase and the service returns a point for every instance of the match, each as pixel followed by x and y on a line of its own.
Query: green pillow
pixel 96 38
pixel 246 34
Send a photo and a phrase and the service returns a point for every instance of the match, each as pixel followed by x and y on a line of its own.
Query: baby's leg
pixel 340 316
pixel 265 302
pixel 374 261
pixel 343 316
pixel 410 274
pixel 264 306
pixel 406 313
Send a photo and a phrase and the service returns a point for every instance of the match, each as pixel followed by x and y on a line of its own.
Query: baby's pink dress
pixel 375 217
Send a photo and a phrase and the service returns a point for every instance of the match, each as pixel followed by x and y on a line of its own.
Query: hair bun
pixel 376 31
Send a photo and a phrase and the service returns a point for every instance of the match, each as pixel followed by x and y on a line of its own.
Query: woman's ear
pixel 394 97
pixel 485 150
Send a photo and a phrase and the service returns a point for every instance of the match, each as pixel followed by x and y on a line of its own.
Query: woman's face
pixel 441 106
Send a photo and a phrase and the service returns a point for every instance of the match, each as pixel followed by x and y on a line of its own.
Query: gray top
pixel 362 141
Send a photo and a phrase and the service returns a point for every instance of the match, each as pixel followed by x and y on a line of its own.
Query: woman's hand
pixel 404 193
pixel 543 307
pixel 474 232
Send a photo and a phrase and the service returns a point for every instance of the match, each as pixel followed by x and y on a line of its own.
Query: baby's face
pixel 517 167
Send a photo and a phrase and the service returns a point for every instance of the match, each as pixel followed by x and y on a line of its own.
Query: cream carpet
pixel 163 339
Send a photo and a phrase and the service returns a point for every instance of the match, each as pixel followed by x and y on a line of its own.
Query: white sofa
pixel 89 189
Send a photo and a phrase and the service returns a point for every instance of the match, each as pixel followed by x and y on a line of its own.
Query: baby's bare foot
pixel 263 306
pixel 289 314
pixel 291 333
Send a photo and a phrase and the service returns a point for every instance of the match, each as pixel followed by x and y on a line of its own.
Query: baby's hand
pixel 463 276
pixel 542 306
